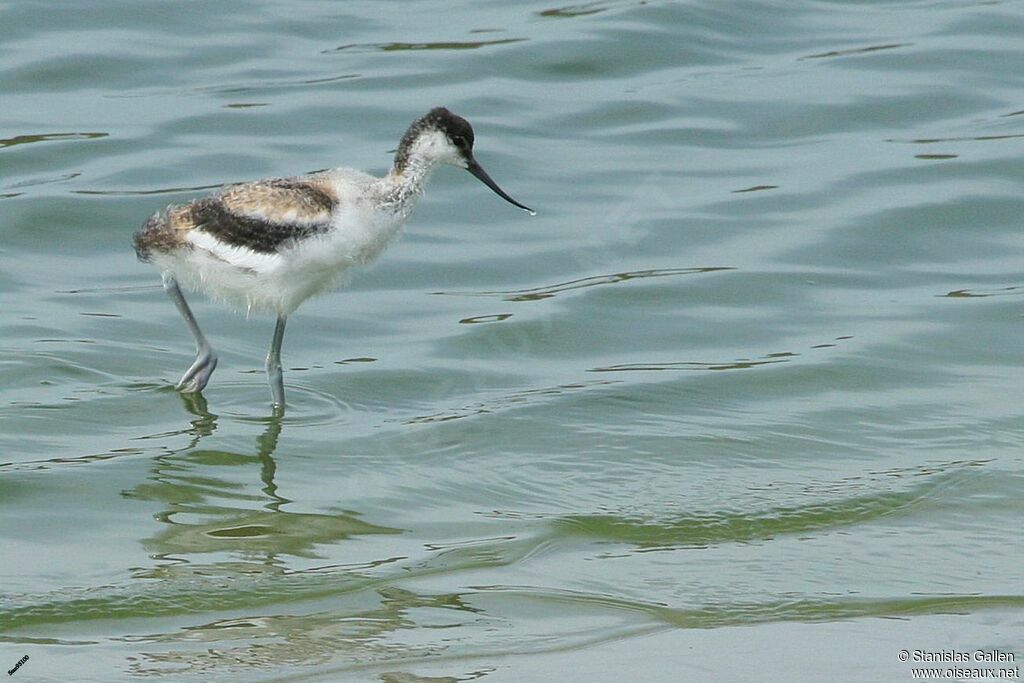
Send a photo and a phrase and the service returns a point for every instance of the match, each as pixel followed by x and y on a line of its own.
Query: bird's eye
pixel 459 141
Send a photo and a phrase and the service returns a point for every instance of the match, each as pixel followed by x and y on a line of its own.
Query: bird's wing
pixel 283 201
pixel 262 215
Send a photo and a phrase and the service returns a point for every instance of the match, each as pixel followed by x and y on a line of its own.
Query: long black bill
pixel 477 170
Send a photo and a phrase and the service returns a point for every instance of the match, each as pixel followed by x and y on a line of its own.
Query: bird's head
pixel 441 137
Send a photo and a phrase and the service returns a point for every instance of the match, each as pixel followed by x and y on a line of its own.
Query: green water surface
pixel 743 402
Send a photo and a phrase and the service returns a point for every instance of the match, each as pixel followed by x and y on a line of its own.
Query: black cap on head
pixel 454 126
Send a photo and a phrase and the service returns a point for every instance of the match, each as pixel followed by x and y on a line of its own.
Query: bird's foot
pixel 197 376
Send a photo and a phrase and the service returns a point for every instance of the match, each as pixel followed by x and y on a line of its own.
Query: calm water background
pixel 743 402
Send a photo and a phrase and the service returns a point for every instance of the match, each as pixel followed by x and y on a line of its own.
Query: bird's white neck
pixel 401 187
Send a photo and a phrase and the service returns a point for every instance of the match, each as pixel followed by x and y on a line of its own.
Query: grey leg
pixel 198 374
pixel 274 374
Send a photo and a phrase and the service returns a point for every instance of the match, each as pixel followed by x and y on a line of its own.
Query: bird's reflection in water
pixel 262 587
pixel 266 443
pixel 205 422
pixel 213 505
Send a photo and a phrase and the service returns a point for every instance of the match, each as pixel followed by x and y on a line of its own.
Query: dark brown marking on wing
pixel 212 216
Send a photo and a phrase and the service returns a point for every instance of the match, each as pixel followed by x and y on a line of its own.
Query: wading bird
pixel 269 245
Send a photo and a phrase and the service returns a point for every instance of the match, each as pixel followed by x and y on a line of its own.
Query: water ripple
pixel 548 291
pixel 400 47
pixel 856 51
pixel 738 364
pixel 48 137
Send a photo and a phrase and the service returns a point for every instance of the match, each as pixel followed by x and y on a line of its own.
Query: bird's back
pixel 270 244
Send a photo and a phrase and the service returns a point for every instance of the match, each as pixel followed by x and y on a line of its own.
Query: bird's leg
pixel 274 374
pixel 198 374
